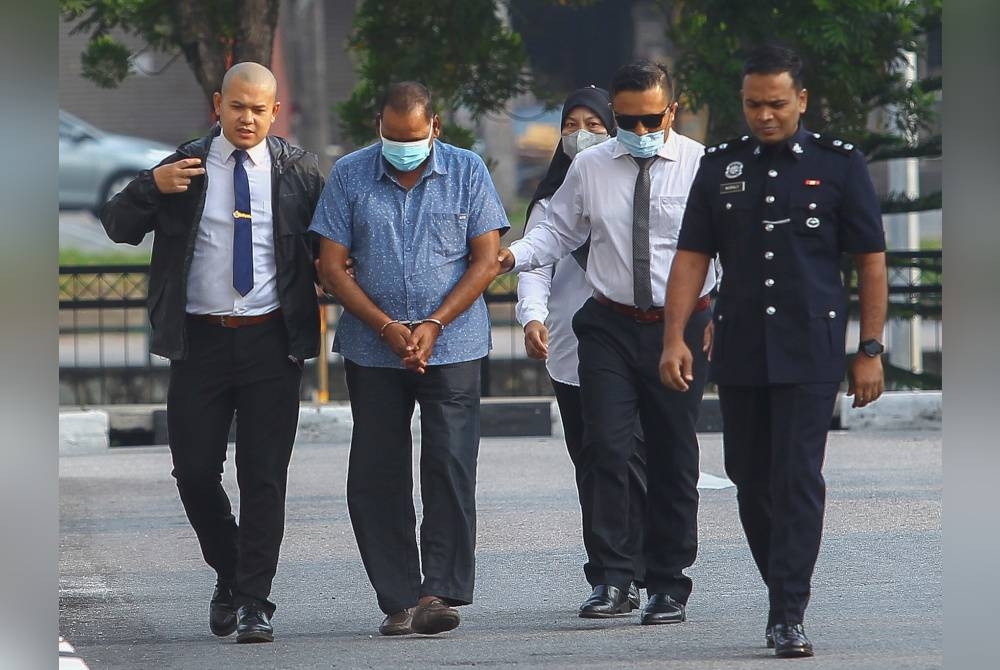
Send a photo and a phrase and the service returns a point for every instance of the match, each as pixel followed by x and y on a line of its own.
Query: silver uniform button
pixel 768 255
pixel 769 227
pixel 812 205
pixel 769 282
pixel 729 205
pixel 812 222
pixel 769 199
pixel 770 310
pixel 772 173
pixel 832 314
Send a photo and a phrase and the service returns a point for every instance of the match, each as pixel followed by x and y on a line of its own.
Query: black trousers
pixel 570 404
pixel 380 480
pixel 619 378
pixel 774 441
pixel 245 371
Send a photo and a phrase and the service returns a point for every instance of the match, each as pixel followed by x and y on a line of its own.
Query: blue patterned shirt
pixel 410 247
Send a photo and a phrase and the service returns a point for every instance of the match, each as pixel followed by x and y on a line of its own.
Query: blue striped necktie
pixel 242 239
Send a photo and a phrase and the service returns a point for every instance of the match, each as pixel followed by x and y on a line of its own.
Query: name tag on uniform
pixel 732 187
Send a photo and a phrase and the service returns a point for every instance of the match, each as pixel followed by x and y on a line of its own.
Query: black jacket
pixel 140 208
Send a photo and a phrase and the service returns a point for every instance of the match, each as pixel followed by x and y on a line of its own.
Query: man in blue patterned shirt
pixel 422 221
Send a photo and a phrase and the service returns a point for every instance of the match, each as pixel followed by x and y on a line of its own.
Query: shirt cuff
pixel 530 310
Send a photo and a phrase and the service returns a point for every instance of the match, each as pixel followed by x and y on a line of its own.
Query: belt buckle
pixel 223 321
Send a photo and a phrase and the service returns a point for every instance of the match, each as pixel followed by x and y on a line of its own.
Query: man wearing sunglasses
pixel 628 195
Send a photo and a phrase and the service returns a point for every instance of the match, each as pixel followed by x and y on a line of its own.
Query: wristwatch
pixel 871 348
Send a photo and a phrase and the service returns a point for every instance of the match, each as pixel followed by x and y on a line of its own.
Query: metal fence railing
pixel 104 335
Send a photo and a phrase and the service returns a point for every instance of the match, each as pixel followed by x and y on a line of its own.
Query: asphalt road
pixel 134 590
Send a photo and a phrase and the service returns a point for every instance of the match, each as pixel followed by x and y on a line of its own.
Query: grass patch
pixel 77 257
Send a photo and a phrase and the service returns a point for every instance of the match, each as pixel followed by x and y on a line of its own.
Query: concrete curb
pixel 83 431
pixel 86 430
pixel 896 410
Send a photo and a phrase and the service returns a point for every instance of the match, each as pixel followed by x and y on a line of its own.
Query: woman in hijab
pixel 547 299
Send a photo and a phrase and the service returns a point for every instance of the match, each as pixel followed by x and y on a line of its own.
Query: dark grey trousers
pixel 380 480
pixel 619 379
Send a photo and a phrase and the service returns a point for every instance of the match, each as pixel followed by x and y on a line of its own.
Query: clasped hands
pixel 412 341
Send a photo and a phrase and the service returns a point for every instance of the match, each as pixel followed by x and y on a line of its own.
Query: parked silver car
pixel 95 165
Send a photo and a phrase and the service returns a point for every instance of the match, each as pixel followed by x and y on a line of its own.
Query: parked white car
pixel 94 165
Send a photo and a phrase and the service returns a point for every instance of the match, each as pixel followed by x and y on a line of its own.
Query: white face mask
pixel 579 140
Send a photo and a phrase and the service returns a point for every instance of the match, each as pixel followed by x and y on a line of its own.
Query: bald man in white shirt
pixel 628 194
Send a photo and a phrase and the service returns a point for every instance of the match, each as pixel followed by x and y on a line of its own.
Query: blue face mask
pixel 406 156
pixel 641 146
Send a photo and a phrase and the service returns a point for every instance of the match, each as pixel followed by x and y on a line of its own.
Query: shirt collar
pixel 670 149
pixel 258 154
pixel 796 145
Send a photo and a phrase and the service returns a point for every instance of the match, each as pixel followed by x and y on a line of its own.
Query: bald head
pixel 246 105
pixel 253 74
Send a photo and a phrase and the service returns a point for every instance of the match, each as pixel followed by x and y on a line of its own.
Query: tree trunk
pixel 203 43
pixel 209 50
pixel 256 21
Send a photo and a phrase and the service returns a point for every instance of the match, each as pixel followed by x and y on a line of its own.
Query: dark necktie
pixel 242 239
pixel 641 286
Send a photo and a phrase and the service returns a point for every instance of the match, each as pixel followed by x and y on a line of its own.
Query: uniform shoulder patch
pixel 727 146
pixel 834 143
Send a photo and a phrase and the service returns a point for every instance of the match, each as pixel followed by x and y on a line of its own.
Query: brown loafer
pixel 434 617
pixel 398 623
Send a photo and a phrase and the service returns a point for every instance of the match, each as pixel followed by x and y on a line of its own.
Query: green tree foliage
pixel 211 35
pixel 459 49
pixel 852 49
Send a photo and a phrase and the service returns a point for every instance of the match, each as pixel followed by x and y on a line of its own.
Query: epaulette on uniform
pixel 830 142
pixel 727 146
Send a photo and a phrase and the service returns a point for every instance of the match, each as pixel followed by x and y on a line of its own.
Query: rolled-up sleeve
pixel 534 286
pixel 563 229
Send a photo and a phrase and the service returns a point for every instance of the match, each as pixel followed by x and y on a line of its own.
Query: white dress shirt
pixel 596 199
pixel 552 296
pixel 210 281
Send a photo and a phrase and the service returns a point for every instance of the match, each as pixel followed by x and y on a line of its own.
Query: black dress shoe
pixel 769 636
pixel 605 601
pixel 661 608
pixel 253 625
pixel 221 613
pixel 633 595
pixel 790 641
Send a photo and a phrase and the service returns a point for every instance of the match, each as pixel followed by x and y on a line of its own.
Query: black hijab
pixel 596 100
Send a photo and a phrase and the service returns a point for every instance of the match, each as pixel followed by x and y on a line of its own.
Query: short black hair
pixel 775 59
pixel 406 96
pixel 642 75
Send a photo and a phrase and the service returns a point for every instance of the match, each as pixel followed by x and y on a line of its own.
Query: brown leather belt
pixel 651 315
pixel 233 321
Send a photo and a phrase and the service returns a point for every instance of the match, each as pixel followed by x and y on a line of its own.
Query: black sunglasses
pixel 630 121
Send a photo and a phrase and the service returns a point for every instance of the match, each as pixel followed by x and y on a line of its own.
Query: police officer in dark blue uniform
pixel 780 206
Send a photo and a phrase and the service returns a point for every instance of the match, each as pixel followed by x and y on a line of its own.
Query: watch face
pixel 872 348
